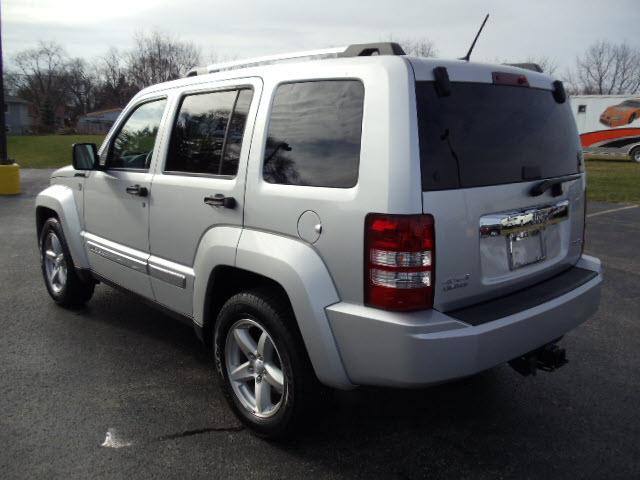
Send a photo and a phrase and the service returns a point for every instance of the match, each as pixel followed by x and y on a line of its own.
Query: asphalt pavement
pixel 117 373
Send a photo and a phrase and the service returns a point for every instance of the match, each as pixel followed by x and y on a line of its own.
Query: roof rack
pixel 357 50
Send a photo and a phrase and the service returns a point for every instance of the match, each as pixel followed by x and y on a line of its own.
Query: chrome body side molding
pixel 115 256
pixel 169 272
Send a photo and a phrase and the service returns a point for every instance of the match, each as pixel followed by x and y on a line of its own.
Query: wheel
pixel 63 283
pixel 267 376
pixel 635 154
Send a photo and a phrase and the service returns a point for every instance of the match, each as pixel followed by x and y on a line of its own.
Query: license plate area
pixel 512 240
pixel 525 248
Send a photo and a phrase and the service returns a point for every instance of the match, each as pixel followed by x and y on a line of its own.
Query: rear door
pixel 200 183
pixel 486 149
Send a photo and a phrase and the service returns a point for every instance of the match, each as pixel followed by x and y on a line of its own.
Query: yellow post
pixel 9 179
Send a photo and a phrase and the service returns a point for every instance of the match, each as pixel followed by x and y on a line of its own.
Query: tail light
pixel 399 261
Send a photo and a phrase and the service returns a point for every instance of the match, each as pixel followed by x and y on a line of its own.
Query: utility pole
pixel 4 159
pixel 9 171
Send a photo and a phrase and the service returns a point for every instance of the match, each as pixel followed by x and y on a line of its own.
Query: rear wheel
pixel 635 154
pixel 267 377
pixel 60 277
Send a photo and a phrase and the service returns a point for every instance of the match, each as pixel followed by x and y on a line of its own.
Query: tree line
pixel 49 79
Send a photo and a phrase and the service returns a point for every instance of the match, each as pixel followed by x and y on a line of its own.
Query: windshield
pixel 631 103
pixel 486 134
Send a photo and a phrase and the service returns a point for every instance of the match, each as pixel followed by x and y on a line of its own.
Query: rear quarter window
pixel 314 134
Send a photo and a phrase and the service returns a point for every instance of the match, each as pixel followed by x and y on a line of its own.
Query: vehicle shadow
pixel 120 310
pixel 388 433
pixel 481 424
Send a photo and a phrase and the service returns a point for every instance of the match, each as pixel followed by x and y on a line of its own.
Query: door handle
pixel 219 200
pixel 137 190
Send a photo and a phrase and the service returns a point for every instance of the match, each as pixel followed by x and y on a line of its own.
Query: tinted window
pixel 485 134
pixel 198 136
pixel 314 134
pixel 133 146
pixel 236 132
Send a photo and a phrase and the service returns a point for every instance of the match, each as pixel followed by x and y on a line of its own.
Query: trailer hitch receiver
pixel 547 358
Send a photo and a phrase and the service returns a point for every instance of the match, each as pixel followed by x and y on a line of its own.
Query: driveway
pixel 120 371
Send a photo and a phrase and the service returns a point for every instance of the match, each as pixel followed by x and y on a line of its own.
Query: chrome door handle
pixel 137 190
pixel 219 200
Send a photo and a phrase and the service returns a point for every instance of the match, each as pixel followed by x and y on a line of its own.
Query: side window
pixel 314 134
pixel 133 145
pixel 208 132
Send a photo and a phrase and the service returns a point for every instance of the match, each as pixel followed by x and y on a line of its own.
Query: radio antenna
pixel 468 55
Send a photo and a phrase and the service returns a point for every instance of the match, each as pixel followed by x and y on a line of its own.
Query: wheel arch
pixel 288 266
pixel 58 201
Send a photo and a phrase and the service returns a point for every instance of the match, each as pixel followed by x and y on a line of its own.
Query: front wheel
pixel 635 154
pixel 63 283
pixel 267 377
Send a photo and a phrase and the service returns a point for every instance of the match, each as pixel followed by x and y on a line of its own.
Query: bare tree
pixel 607 69
pixel 114 85
pixel 39 77
pixel 157 57
pixel 81 86
pixel 420 47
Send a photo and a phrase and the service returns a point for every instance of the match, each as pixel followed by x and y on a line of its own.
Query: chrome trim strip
pixel 168 276
pixel 528 220
pixel 156 267
pixel 117 257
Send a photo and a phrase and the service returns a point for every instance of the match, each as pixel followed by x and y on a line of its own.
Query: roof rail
pixel 358 50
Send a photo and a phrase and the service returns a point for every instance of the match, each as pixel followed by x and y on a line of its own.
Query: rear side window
pixel 486 134
pixel 314 134
pixel 207 134
pixel 133 145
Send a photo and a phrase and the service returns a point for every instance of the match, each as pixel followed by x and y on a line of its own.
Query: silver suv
pixel 336 218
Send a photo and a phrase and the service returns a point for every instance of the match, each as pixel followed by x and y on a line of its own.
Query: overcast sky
pixel 559 29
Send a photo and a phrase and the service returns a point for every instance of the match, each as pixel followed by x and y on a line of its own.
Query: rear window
pixel 485 134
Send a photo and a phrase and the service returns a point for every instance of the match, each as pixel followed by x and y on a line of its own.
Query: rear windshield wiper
pixel 554 183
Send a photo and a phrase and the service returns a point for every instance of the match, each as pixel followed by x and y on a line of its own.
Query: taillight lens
pixel 399 261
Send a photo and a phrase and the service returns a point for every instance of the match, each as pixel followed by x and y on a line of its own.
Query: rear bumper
pixel 421 348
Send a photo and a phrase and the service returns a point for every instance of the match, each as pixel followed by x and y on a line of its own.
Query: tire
pixel 635 154
pixel 60 277
pixel 249 316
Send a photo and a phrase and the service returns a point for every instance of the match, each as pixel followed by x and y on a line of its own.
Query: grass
pixel 613 181
pixel 608 180
pixel 45 151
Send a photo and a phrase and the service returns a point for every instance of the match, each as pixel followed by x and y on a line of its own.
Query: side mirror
pixel 85 156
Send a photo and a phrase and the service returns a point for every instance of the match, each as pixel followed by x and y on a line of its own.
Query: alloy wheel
pixel 254 368
pixel 55 263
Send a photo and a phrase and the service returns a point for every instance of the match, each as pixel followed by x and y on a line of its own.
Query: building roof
pixel 102 112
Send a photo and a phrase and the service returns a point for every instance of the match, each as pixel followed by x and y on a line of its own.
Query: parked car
pixel 622 114
pixel 360 220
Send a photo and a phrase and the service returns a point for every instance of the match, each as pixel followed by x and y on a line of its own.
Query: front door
pixel 116 207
